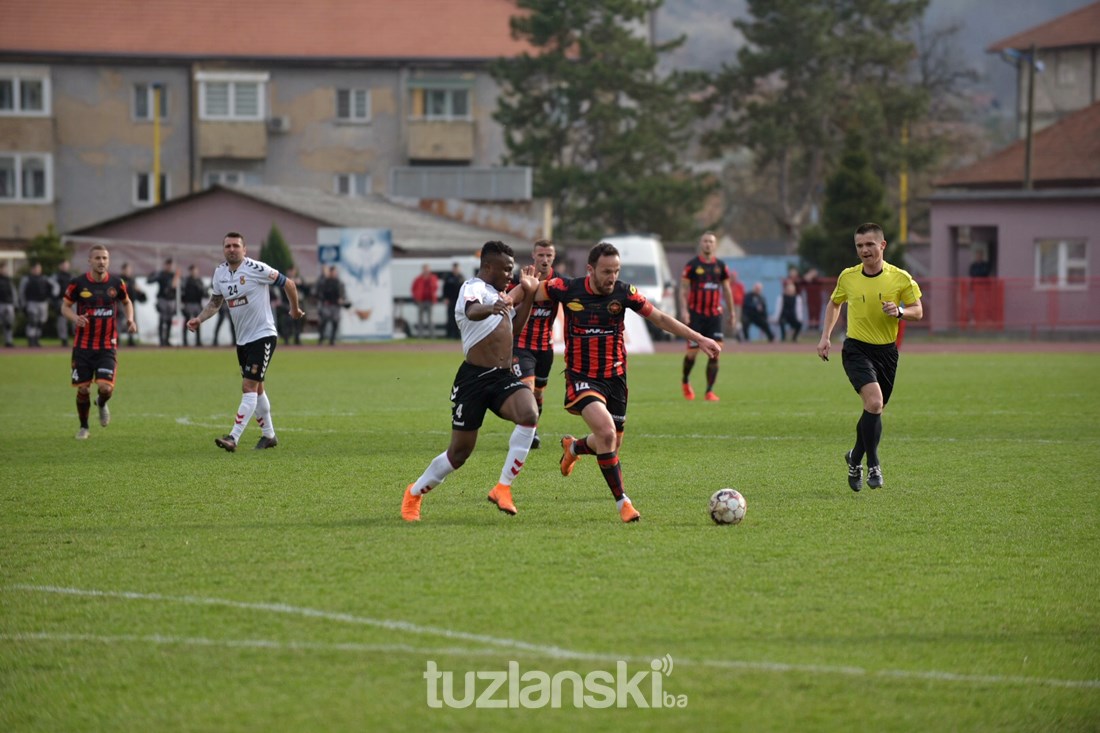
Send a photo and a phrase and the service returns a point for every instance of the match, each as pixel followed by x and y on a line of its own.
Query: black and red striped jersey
pixel 594 324
pixel 538 333
pixel 96 301
pixel 705 294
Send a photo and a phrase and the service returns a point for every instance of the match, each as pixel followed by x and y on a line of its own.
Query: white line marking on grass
pixel 500 643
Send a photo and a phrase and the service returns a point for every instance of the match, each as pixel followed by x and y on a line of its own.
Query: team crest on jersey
pixel 85 293
pixel 242 279
pixel 111 292
pixel 614 307
pixel 574 306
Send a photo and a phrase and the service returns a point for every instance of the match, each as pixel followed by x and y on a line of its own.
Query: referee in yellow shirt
pixel 878 296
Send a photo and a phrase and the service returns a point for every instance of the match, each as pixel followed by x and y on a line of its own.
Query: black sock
pixel 612 473
pixel 688 364
pixel 712 374
pixel 83 405
pixel 857 451
pixel 871 428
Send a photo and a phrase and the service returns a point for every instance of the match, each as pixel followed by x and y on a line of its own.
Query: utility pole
pixel 1030 116
pixel 155 183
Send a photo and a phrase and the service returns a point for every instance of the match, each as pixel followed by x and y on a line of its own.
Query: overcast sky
pixel 712 39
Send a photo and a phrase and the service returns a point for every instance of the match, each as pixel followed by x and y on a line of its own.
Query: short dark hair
pixel 234 235
pixel 496 248
pixel 543 243
pixel 869 228
pixel 603 249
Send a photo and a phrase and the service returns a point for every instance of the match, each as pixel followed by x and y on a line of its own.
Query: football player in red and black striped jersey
pixel 594 308
pixel 90 301
pixel 705 279
pixel 533 350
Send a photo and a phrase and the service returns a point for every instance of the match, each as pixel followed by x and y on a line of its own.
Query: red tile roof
pixel 1079 28
pixel 1065 154
pixel 319 29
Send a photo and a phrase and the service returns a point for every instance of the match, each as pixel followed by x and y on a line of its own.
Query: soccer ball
pixel 727 506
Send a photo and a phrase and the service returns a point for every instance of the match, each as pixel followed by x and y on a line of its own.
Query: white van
pixel 645 265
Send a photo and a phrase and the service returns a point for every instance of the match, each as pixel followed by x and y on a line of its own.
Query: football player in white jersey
pixel 242 284
pixel 487 317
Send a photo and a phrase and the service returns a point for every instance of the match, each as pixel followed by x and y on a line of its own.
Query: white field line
pixel 497 645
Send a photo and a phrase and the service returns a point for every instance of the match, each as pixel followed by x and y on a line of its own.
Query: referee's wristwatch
pixel 901 311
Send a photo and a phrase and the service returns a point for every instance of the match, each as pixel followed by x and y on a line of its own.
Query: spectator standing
pixel 35 291
pixel 425 291
pixel 58 282
pixel 755 312
pixel 789 308
pixel 168 281
pixel 331 296
pixel 452 285
pixel 191 297
pixel 7 305
pixel 738 289
pixel 137 295
pixel 291 328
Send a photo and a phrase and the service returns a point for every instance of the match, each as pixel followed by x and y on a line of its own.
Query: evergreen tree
pixel 854 194
pixel 48 249
pixel 275 251
pixel 587 110
pixel 810 71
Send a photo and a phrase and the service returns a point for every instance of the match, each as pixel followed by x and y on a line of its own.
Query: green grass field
pixel 151 582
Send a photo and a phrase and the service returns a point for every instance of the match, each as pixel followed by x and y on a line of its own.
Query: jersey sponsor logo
pixel 100 312
pixel 615 307
pixel 234 302
pixel 710 286
pixel 574 306
pixel 541 312
pixel 596 331
pixel 85 293
pixel 699 270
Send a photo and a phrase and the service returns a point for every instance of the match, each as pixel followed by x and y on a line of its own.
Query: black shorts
pixel 865 363
pixel 527 362
pixel 94 365
pixel 709 326
pixel 255 356
pixel 477 389
pixel 581 391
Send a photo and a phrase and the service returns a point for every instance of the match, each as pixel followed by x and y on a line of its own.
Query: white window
pixel 353 105
pixel 26 177
pixel 1061 263
pixel 352 184
pixel 143 191
pixel 231 96
pixel 226 178
pixel 144 96
pixel 24 91
pixel 446 104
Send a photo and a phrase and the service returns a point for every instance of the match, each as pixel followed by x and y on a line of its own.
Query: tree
pixel 275 252
pixel 854 194
pixel 48 249
pixel 811 70
pixel 589 113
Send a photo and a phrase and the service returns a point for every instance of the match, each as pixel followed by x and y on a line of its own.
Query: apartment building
pixel 107 108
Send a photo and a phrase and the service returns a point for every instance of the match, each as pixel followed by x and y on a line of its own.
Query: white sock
pixel 433 475
pixel 519 445
pixel 263 416
pixel 244 414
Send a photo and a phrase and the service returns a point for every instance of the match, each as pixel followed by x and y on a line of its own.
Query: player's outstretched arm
pixel 665 322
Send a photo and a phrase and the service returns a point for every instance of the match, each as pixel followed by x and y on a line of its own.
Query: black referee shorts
pixel 865 363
